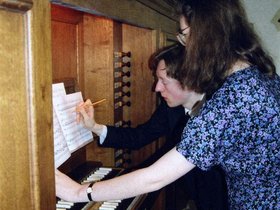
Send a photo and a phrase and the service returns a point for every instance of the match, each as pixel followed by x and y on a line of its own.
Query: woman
pixel 237 128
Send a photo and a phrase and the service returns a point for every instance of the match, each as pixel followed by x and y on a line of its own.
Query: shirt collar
pixel 197 106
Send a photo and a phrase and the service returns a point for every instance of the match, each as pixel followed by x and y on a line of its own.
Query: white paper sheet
pixel 69 136
pixel 75 134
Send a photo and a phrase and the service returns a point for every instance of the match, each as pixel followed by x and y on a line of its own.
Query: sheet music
pixel 58 90
pixel 68 135
pixel 61 150
pixel 75 134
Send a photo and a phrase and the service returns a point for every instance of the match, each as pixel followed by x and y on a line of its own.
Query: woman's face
pixel 171 89
pixel 184 31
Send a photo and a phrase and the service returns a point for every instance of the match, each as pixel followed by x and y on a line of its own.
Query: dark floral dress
pixel 239 129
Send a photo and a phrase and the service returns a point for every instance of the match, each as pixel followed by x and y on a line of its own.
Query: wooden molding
pixel 16 5
pixel 165 7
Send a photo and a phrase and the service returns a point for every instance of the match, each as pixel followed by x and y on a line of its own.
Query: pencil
pixel 97 102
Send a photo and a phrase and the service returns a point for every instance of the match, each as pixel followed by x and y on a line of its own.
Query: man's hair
pixel 173 57
pixel 220 34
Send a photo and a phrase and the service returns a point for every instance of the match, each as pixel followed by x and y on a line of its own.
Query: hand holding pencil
pixel 85 114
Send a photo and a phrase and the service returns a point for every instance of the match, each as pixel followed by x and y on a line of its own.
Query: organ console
pixel 93 172
pixel 66 39
pixel 91 74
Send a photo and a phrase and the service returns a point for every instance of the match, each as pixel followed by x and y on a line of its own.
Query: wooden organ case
pixel 42 44
pixel 102 58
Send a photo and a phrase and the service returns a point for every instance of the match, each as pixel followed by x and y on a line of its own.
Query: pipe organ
pixel 101 58
pixel 75 43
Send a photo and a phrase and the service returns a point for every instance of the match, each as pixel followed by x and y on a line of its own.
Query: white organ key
pixel 96 176
pixel 109 206
pixel 65 206
pixel 114 201
pixel 86 181
pixel 66 202
pixel 106 208
pixel 111 203
pixel 105 169
pixel 101 173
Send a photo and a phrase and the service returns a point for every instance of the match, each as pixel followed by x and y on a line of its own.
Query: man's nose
pixel 159 87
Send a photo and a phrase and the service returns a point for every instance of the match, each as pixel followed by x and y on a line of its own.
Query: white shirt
pixel 103 134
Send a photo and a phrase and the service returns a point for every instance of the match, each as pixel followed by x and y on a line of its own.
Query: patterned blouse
pixel 239 129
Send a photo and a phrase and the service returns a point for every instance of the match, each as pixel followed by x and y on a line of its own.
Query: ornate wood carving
pixel 16 5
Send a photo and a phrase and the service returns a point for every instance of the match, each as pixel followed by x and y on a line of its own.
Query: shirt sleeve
pixel 103 134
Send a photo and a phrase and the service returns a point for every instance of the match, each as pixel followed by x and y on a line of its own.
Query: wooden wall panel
pixel 64 59
pixel 141 43
pixel 67 39
pixel 98 74
pixel 12 104
pixel 26 152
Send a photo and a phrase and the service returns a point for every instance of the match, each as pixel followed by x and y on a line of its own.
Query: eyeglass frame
pixel 181 36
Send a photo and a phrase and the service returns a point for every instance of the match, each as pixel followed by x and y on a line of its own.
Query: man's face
pixel 171 89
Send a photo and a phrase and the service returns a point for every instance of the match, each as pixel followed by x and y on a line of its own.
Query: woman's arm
pixel 166 170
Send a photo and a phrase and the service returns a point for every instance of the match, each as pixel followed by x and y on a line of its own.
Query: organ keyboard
pixel 87 173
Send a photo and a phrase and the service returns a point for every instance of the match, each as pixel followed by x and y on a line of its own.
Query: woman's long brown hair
pixel 220 34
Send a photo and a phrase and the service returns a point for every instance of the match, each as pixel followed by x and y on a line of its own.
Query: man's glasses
pixel 181 36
